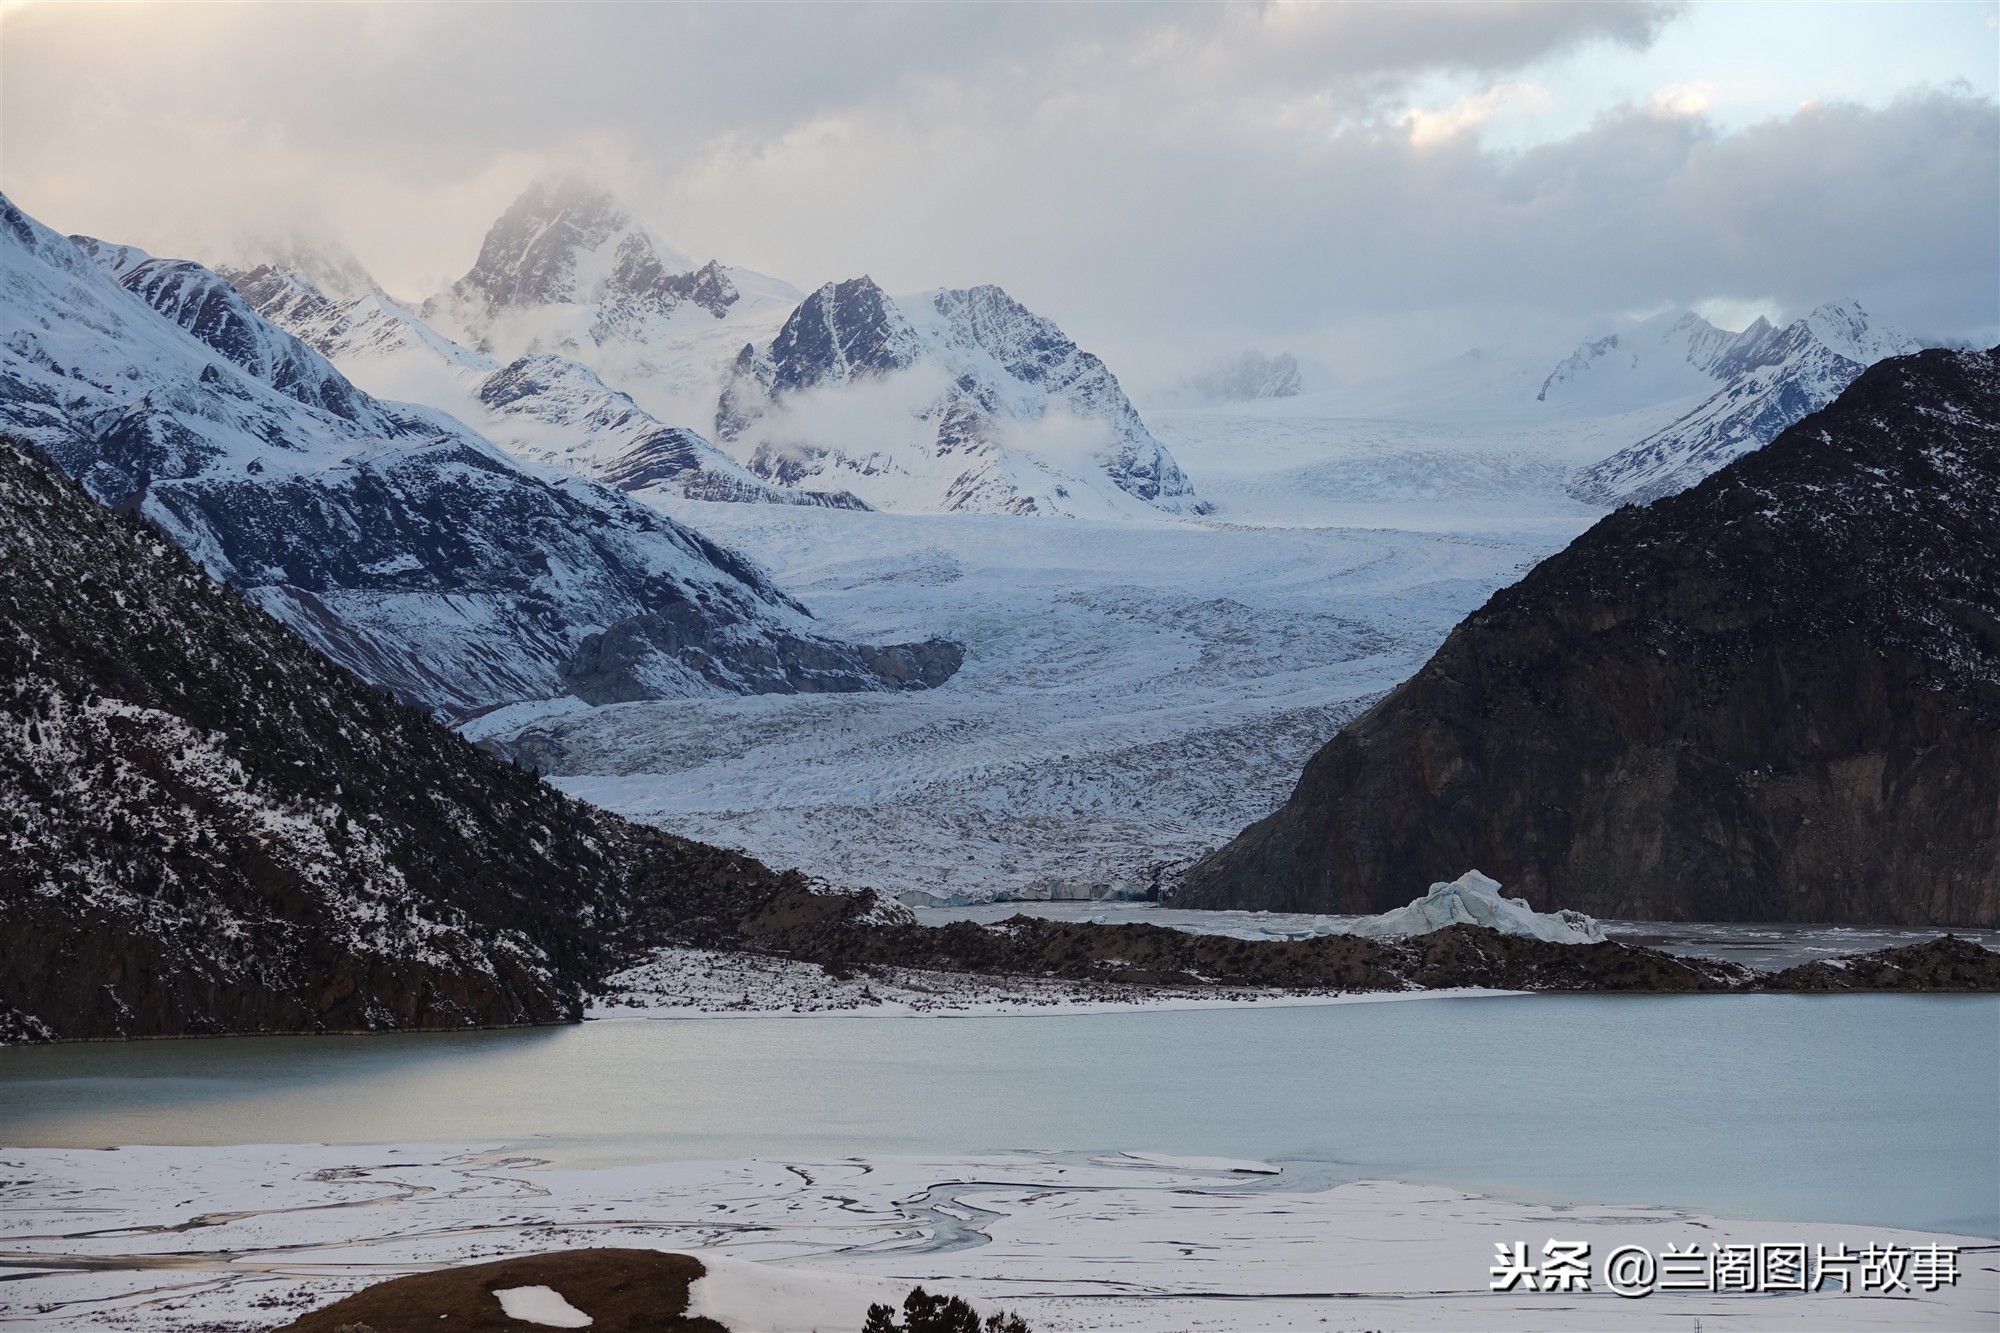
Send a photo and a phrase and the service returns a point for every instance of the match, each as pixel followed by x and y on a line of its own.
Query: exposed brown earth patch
pixel 623 1291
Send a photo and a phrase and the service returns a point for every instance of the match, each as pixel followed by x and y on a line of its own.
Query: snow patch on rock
pixel 540 1305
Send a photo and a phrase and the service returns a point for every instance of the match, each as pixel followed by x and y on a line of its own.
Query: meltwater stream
pixel 1872 1109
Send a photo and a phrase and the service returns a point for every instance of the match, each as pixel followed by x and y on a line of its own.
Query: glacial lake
pixel 1876 1109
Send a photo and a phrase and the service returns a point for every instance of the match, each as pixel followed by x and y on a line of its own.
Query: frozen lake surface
pixel 1866 1109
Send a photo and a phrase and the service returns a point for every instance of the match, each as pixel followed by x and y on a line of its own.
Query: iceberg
pixel 1475 899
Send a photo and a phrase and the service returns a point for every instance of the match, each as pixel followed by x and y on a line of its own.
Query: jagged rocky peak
pixel 330 267
pixel 1847 329
pixel 842 331
pixel 286 298
pixel 1774 696
pixel 571 242
pixel 973 402
pixel 531 254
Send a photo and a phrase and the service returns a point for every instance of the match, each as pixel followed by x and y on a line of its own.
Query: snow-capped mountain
pixel 541 407
pixel 392 537
pixel 568 269
pixel 1668 356
pixel 1769 378
pixel 949 401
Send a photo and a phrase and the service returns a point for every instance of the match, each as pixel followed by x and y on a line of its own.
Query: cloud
pixel 1684 99
pixel 1166 181
pixel 1429 128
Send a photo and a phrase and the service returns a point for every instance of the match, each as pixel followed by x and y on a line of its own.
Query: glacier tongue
pixel 1474 899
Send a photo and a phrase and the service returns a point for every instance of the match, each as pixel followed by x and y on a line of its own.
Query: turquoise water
pixel 1865 1109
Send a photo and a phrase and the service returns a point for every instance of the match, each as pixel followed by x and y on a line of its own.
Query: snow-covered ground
pixel 243 1238
pixel 1134 692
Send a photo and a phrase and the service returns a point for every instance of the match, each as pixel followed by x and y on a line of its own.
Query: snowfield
pixel 245 1238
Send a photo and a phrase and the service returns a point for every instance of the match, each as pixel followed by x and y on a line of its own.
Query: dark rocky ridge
pixel 845 932
pixel 207 827
pixel 623 662
pixel 1775 696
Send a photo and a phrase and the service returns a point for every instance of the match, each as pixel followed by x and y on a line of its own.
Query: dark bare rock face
pixel 207 827
pixel 1773 697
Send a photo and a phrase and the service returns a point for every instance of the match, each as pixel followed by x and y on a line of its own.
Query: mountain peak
pixel 331 268
pixel 844 330
pixel 1667 356
pixel 558 243
pixel 117 260
pixel 973 402
pixel 1766 379
pixel 1848 329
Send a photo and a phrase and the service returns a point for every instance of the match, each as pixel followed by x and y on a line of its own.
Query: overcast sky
pixel 1365 185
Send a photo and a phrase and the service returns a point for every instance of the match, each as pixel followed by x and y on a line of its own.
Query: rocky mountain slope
pixel 951 401
pixel 1769 378
pixel 1775 696
pixel 392 537
pixel 207 827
